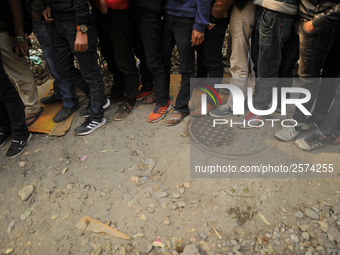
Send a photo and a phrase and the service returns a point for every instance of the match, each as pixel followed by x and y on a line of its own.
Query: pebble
pixel 191 249
pixel 323 226
pixel 9 251
pixel 22 163
pixel 193 230
pixel 163 194
pixel 334 234
pixel 182 190
pixel 81 195
pixel 150 210
pixel 310 213
pixel 54 217
pixel 166 223
pixel 298 214
pixel 305 235
pixel 338 223
pixel 294 238
pixel 69 186
pixel 26 192
pixel 203 235
pixel 143 217
pixel 173 206
pixel 181 204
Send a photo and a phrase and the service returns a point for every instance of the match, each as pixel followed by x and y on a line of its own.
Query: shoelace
pixel 225 108
pixel 315 140
pixel 251 116
pixel 160 109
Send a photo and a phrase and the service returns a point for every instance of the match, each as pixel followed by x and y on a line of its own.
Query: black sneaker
pixel 116 100
pixel 311 123
pixel 50 99
pixel 123 111
pixel 86 111
pixel 64 113
pixel 17 147
pixel 4 136
pixel 312 142
pixel 89 125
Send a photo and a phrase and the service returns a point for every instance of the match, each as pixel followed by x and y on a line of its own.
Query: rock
pixel 290 247
pixel 10 226
pixel 294 238
pixel 143 217
pixel 310 213
pixel 9 251
pixel 69 186
pixel 182 190
pixel 166 223
pixel 233 242
pixel 147 195
pixel 26 192
pixel 203 235
pixel 323 226
pixel 193 240
pixel 298 214
pixel 81 195
pixel 319 248
pixel 193 230
pixel 150 210
pixel 22 163
pixel 163 194
pixel 191 249
pixel 181 204
pixel 334 234
pixel 54 217
pixel 127 197
pixel 236 248
pixel 173 206
pixel 338 223
pixel 305 235
pixel 333 251
pixel 304 227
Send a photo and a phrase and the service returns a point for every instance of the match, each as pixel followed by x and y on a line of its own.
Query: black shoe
pixel 49 99
pixel 123 112
pixel 64 113
pixel 17 147
pixel 89 125
pixel 4 136
pixel 85 112
pixel 116 100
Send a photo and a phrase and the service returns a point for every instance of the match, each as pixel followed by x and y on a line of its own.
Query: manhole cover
pixel 227 140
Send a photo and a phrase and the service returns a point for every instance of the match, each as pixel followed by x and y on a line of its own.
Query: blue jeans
pixel 313 53
pixel 274 30
pixel 89 78
pixel 63 89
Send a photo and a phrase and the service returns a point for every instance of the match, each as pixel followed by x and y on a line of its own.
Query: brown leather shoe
pixel 123 112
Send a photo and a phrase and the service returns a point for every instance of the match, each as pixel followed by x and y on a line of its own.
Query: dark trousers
pixel 209 53
pixel 178 30
pixel 115 36
pixel 312 53
pixel 150 27
pixel 139 49
pixel 276 47
pixel 12 113
pixel 89 78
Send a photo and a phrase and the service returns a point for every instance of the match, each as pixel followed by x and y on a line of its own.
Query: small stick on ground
pixel 252 207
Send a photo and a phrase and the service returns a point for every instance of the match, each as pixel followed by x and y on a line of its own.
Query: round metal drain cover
pixel 226 140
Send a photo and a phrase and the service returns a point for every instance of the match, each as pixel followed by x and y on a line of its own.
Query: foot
pixel 32 117
pixel 287 134
pixel 176 118
pixel 89 125
pixel 50 99
pixel 252 121
pixel 159 112
pixel 312 142
pixel 197 112
pixel 144 94
pixel 64 113
pixel 85 112
pixel 18 145
pixel 123 112
pixel 311 123
pixel 221 112
pixel 4 137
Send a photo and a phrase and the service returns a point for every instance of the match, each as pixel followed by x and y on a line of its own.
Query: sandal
pixel 335 138
pixel 34 117
pixel 176 120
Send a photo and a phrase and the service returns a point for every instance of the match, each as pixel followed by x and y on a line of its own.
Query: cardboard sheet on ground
pixel 44 123
pixel 89 224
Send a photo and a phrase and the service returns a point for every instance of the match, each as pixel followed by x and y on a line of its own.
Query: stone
pixel 163 194
pixel 323 226
pixel 193 240
pixel 166 223
pixel 203 235
pixel 81 195
pixel 181 204
pixel 191 249
pixel 304 227
pixel 150 210
pixel 305 235
pixel 173 206
pixel 338 223
pixel 22 163
pixel 9 251
pixel 143 217
pixel 26 192
pixel 334 234
pixel 294 238
pixel 54 217
pixel 240 231
pixel 298 214
pixel 69 186
pixel 310 213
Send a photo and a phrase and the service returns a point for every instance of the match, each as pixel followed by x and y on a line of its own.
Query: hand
pixel 103 7
pixel 196 38
pixel 47 13
pixel 211 26
pixel 309 26
pixel 21 48
pixel 81 43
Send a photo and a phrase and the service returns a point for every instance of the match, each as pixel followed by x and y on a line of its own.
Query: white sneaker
pixel 288 133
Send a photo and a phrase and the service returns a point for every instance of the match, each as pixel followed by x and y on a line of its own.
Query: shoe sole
pixel 162 117
pixel 219 116
pixel 4 142
pixel 90 131
pixel 18 154
pixel 284 138
pixel 301 148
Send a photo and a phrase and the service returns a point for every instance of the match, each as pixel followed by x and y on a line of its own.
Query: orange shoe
pixel 159 112
pixel 143 94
